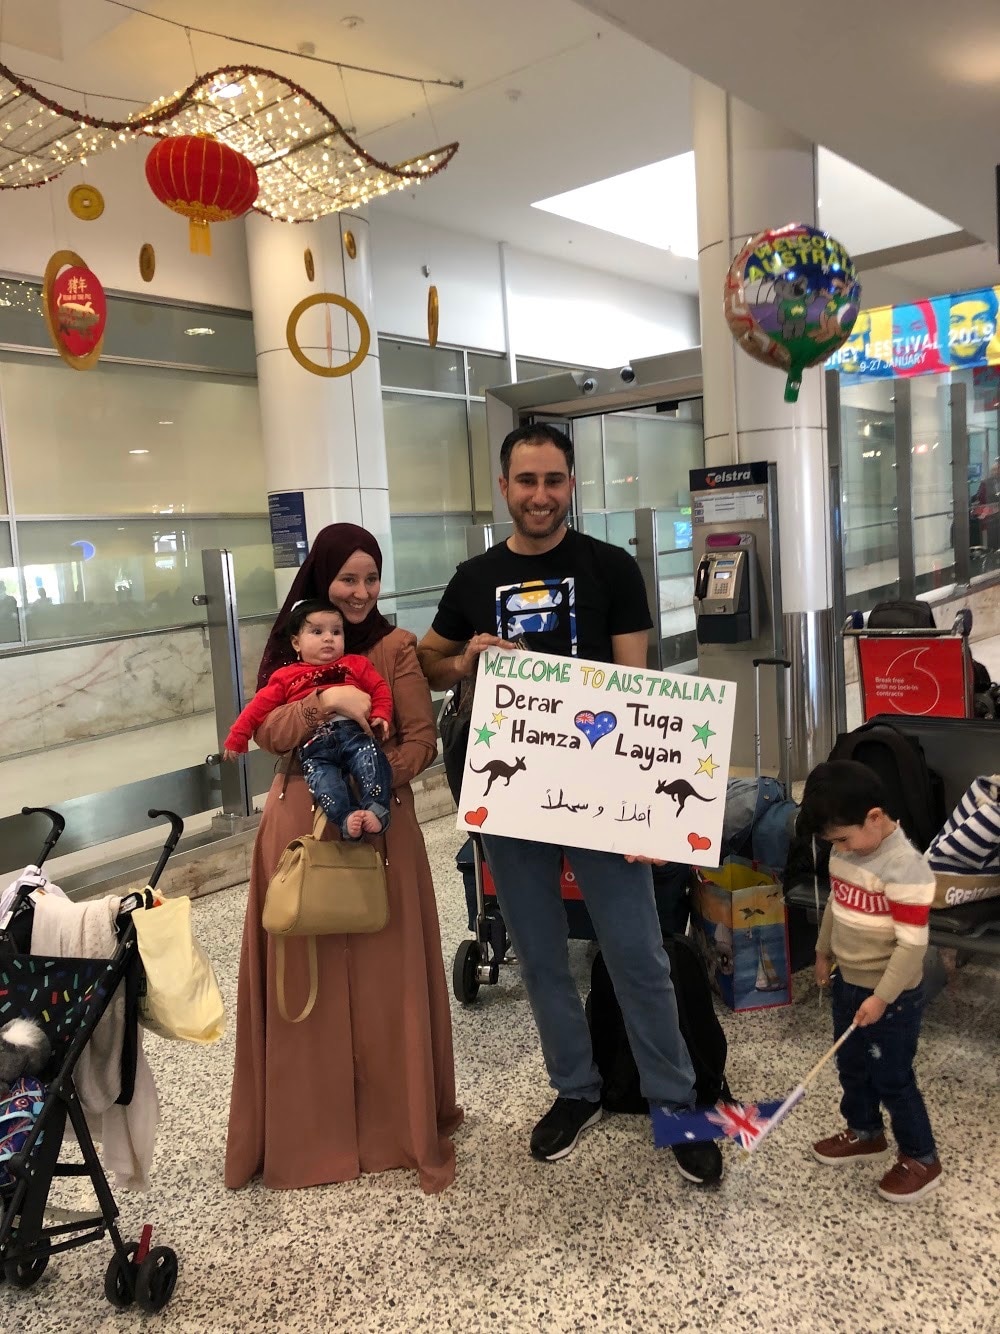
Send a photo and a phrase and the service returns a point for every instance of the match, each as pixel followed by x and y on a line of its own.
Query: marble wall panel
pixel 90 691
pixel 81 692
pixel 159 674
pixel 22 704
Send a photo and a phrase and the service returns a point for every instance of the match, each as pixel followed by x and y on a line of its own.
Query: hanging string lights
pixel 307 164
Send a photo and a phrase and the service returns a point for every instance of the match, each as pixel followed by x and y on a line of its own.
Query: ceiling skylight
pixel 654 205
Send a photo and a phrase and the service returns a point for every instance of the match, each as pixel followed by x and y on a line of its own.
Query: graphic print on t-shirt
pixel 540 606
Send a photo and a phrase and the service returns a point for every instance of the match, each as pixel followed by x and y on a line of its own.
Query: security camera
pixel 627 374
pixel 589 385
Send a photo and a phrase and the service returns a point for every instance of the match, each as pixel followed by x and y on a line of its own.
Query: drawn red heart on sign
pixel 699 843
pixel 477 817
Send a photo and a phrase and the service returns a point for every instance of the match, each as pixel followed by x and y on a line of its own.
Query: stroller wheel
pixel 118 1288
pixel 24 1273
pixel 157 1279
pixel 465 974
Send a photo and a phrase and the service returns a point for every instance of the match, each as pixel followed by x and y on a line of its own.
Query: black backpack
pixel 699 1025
pixel 915 615
pixel 914 793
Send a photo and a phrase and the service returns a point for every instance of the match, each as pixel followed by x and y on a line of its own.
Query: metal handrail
pixel 53 645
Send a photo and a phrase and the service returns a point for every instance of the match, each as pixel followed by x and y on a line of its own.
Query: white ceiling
pixel 557 97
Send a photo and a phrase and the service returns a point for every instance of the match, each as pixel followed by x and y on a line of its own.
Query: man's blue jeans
pixel 876 1067
pixel 339 750
pixel 619 897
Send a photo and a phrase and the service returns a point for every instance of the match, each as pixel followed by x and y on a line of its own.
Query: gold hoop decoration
pixel 328 299
pixel 75 310
pixel 147 263
pixel 350 245
pixel 86 202
pixel 432 315
pixel 310 264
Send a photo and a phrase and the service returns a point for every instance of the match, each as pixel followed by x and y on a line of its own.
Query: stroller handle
pixel 58 825
pixel 176 829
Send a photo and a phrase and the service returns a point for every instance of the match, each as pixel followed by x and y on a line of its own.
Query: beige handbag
pixel 323 887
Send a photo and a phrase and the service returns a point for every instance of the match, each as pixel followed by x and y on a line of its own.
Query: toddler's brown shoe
pixel 908 1181
pixel 847 1147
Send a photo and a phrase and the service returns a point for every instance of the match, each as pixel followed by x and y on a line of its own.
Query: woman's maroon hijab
pixel 328 555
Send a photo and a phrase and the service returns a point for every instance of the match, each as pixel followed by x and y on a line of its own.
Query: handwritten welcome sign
pixel 590 755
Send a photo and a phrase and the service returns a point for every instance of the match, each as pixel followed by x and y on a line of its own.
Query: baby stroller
pixel 68 997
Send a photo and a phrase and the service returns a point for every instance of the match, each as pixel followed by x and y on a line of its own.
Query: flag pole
pixel 799 1092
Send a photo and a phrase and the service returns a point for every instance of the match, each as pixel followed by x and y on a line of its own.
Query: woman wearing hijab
pixel 366 1083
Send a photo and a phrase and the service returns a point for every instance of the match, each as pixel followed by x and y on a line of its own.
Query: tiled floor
pixel 610 1240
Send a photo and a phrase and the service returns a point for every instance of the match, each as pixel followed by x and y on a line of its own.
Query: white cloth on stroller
pixel 33 876
pixel 63 929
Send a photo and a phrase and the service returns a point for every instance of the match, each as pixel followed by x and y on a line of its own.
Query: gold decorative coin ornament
pixel 328 299
pixel 433 310
pixel 147 263
pixel 310 264
pixel 350 245
pixel 86 202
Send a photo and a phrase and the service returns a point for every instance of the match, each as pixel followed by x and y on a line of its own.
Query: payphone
pixel 737 597
pixel 725 590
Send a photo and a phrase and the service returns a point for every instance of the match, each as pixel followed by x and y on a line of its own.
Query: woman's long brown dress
pixel 367 1081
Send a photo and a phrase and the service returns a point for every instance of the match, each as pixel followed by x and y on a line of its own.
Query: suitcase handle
pixel 772 662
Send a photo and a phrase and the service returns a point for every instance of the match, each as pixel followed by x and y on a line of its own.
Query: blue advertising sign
pixel 923 338
pixel 287 513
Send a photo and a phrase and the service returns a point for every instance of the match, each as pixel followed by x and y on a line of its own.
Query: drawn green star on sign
pixel 702 734
pixel 484 734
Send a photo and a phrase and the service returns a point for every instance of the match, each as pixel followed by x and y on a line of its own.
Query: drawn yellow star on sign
pixel 708 766
pixel 499 718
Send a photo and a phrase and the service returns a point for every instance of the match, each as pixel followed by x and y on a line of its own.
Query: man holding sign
pixel 572 595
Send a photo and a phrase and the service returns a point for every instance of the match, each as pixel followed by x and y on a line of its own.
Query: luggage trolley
pixel 917 670
pixel 68 997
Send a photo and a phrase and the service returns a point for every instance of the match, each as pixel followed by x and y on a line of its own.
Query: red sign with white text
pixel 568 887
pixel 918 677
pixel 79 310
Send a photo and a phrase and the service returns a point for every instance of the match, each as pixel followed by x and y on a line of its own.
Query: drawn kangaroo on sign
pixel 679 790
pixel 498 769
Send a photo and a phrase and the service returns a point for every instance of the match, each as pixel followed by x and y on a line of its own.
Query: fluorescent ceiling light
pixel 654 204
pixel 138 451
pixel 199 332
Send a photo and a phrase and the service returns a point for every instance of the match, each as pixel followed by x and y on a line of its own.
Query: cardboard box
pixel 739 924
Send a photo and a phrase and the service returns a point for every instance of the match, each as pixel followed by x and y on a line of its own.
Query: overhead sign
pixel 587 754
pixel 923 338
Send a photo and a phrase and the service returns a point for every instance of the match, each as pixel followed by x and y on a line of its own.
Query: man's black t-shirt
pixel 569 600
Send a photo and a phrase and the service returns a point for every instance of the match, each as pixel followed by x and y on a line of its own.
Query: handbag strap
pixel 279 950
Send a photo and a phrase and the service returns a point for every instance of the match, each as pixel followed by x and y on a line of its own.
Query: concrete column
pixel 323 436
pixel 753 173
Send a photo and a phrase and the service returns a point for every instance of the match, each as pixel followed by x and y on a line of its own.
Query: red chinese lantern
pixel 202 179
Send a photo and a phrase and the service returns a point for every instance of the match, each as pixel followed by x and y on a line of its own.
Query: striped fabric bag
pixel 965 856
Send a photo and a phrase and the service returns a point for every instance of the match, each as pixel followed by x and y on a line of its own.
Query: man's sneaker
pixel 909 1180
pixel 557 1132
pixel 847 1147
pixel 700 1162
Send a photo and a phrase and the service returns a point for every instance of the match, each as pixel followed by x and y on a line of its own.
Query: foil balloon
pixel 792 296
